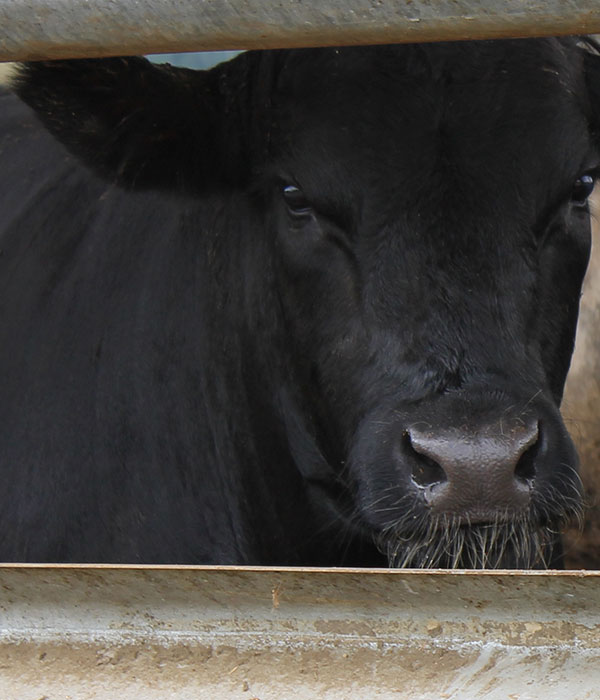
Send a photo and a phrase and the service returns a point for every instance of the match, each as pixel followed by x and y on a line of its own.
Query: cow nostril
pixel 525 469
pixel 475 474
pixel 425 471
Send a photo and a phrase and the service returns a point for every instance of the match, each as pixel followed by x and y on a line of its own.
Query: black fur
pixel 191 371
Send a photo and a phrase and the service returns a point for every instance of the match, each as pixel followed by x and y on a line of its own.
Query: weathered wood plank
pixel 36 29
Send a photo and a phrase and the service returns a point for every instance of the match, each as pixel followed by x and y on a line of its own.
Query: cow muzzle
pixel 466 481
pixel 474 475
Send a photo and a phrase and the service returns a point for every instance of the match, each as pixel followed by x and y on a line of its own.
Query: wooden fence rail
pixel 37 29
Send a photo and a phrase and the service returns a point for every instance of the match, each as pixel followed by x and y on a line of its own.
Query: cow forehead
pixel 411 79
pixel 481 113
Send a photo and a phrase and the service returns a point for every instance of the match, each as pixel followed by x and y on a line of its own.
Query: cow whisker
pixel 447 542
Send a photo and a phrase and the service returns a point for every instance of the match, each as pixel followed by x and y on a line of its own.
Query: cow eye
pixel 582 189
pixel 296 200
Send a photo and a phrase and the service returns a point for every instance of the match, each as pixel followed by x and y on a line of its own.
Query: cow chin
pixel 462 485
pixel 518 542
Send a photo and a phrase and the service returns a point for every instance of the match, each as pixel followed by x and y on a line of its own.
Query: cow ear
pixel 139 124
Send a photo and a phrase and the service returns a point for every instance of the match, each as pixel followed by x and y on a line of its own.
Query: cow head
pixel 428 227
pixel 434 233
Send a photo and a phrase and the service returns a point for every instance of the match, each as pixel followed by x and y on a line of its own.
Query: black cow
pixel 308 307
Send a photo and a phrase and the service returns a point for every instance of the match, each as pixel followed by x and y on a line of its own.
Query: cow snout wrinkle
pixel 475 475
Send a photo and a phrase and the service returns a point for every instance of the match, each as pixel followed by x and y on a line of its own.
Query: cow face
pixel 433 231
pixel 423 221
